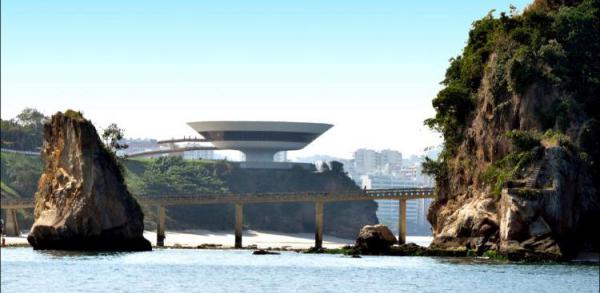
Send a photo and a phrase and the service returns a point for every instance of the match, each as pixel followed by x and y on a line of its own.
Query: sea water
pixel 196 270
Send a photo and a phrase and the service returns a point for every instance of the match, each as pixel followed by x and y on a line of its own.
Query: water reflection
pixel 80 253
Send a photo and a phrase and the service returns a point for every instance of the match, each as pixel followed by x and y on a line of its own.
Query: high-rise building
pixel 366 161
pixel 391 161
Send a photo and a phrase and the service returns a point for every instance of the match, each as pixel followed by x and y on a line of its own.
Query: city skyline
pixel 152 68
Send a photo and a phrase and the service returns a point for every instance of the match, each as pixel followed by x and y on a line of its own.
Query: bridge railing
pixel 394 191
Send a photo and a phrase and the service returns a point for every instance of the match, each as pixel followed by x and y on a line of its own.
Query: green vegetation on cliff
pixel 553 46
pixel 173 175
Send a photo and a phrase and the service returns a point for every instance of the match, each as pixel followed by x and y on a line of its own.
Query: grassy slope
pixel 11 165
pixel 10 188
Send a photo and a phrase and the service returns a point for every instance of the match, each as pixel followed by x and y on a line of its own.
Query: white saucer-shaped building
pixel 259 140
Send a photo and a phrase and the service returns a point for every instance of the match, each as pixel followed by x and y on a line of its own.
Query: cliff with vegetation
pixel 520 116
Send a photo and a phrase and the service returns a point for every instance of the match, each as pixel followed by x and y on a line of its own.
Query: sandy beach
pixel 225 239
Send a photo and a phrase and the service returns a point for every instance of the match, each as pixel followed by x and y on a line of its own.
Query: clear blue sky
pixel 370 67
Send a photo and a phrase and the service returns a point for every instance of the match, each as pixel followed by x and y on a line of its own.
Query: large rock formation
pixel 520 170
pixel 82 202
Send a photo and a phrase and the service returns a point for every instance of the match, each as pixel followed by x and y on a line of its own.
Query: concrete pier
pixel 11 225
pixel 239 223
pixel 402 222
pixel 160 229
pixel 318 224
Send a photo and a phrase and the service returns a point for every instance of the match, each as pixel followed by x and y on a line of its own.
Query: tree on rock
pixel 112 136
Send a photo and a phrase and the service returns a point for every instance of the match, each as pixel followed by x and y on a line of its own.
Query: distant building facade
pixel 368 161
pixel 199 155
pixel 388 210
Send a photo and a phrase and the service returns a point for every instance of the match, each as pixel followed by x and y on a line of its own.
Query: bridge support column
pixel 11 228
pixel 319 224
pixel 402 222
pixel 160 229
pixel 239 222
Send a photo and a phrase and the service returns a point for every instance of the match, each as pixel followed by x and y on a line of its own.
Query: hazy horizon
pixel 371 69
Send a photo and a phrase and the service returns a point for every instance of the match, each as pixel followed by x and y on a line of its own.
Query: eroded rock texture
pixel 536 195
pixel 82 202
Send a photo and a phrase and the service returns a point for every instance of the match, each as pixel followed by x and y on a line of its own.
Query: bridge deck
pixel 200 199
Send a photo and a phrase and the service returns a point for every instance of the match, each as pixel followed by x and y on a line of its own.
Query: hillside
pixel 172 175
pixel 520 116
pixel 18 179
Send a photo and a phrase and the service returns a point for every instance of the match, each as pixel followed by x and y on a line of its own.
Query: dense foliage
pixel 23 132
pixel 173 175
pixel 553 44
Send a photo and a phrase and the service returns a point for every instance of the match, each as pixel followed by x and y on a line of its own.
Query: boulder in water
pixel 375 239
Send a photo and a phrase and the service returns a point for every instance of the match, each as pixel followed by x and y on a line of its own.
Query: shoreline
pixel 298 242
pixel 251 239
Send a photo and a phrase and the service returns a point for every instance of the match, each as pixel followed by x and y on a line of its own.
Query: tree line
pixel 23 132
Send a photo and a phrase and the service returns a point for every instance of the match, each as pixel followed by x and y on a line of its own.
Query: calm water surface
pixel 181 270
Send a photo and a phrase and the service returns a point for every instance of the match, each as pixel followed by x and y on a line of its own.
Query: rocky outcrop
pixel 550 209
pixel 528 199
pixel 375 239
pixel 82 202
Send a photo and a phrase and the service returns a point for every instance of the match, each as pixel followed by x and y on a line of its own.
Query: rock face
pixel 375 239
pixel 549 211
pixel 82 202
pixel 537 198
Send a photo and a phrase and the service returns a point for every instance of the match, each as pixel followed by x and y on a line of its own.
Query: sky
pixel 371 68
